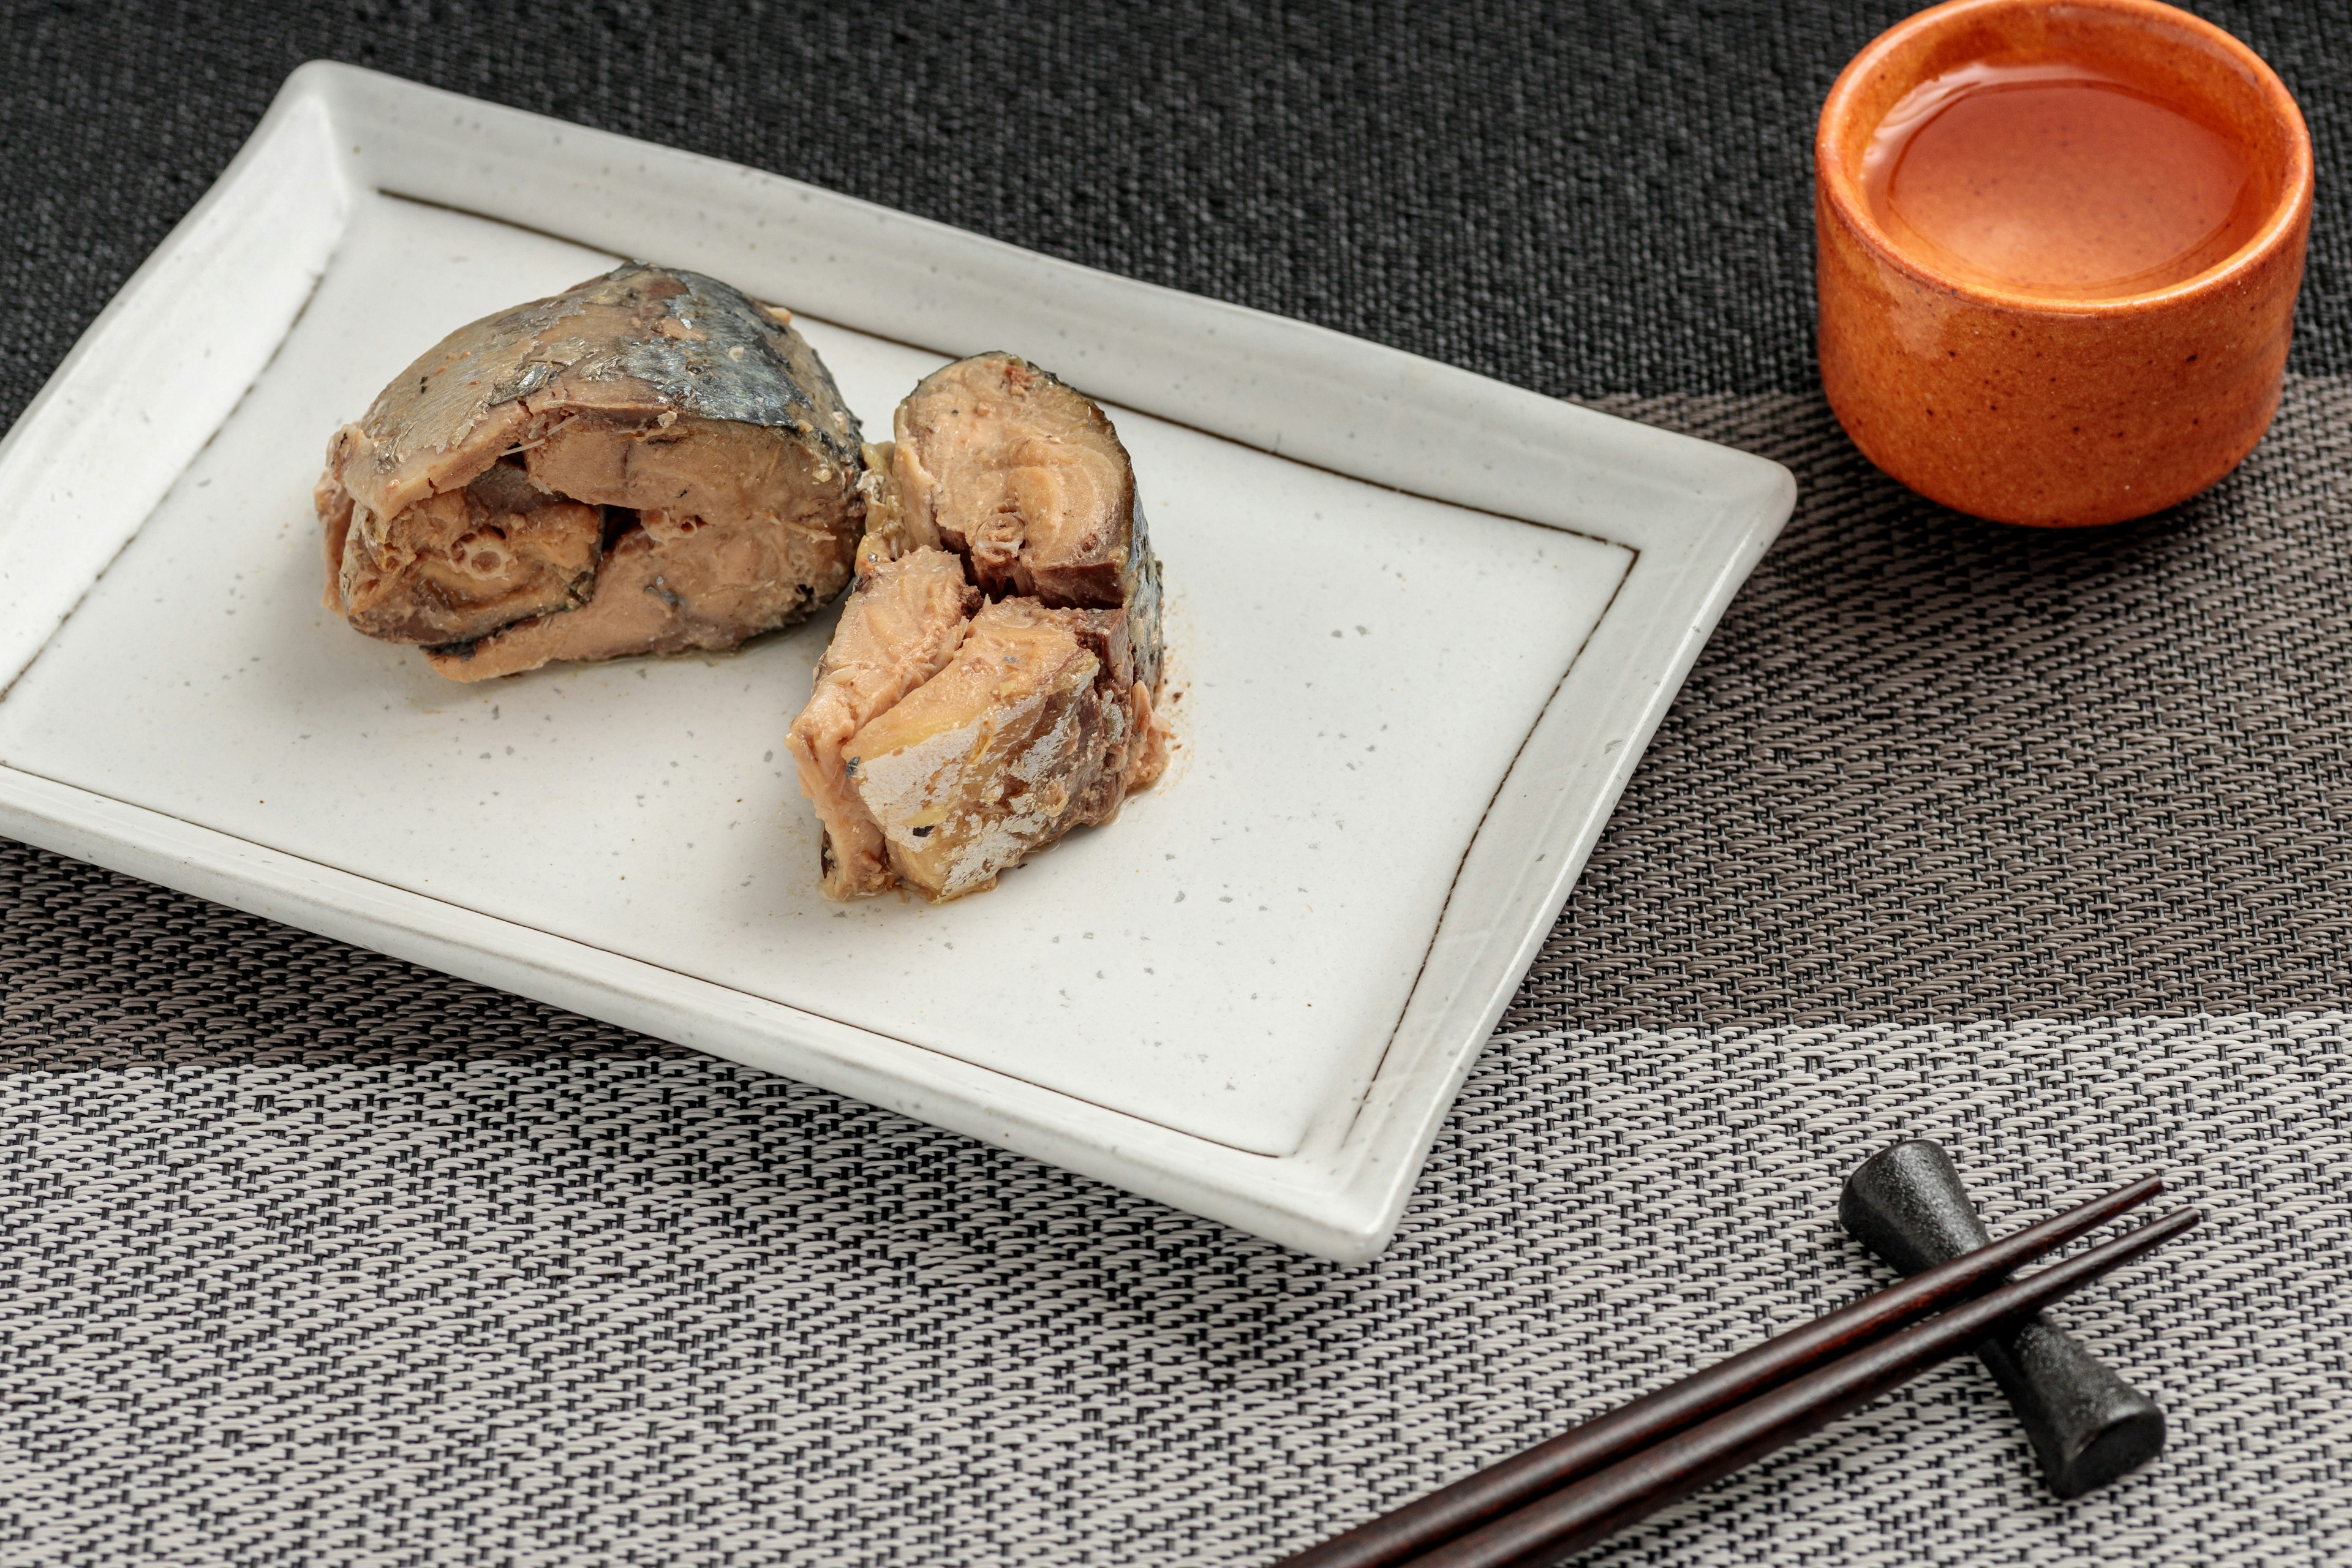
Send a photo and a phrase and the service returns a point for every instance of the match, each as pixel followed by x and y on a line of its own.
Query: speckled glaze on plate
pixel 1422 626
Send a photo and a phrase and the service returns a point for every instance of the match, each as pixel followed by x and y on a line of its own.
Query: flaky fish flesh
pixel 990 684
pixel 648 463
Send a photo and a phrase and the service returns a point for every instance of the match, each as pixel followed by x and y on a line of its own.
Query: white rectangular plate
pixel 1422 622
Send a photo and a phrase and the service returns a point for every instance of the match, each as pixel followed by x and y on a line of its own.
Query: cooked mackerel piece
pixel 948 738
pixel 648 463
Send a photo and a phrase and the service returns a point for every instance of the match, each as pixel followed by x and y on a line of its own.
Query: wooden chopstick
pixel 1568 1521
pixel 1457 1510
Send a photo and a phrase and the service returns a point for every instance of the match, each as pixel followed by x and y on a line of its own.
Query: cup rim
pixel 1840 186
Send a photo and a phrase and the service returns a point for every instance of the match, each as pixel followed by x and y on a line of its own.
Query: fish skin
pixel 1143 604
pixel 518 356
pixel 707 427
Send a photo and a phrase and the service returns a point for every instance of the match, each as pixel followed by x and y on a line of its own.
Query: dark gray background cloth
pixel 2035 842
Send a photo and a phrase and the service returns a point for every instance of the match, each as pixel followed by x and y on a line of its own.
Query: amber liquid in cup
pixel 2057 180
pixel 2058 244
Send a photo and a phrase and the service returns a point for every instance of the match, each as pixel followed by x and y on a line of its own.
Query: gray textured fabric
pixel 309 1253
pixel 1578 197
pixel 1934 769
pixel 672 1311
pixel 307 1256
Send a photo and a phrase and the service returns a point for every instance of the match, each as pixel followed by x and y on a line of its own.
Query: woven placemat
pixel 2032 843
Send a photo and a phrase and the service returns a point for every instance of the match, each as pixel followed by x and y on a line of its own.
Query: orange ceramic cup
pixel 2030 408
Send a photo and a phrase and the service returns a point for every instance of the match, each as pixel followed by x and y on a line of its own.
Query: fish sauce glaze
pixel 2057 179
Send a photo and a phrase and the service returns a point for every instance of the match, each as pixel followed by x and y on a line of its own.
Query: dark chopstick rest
pixel 2087 1426
pixel 1568 1521
pixel 1452 1511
